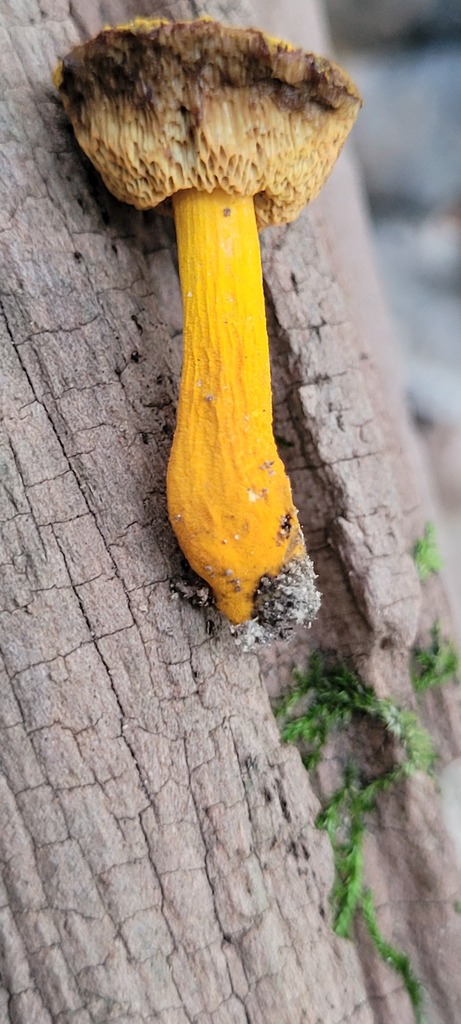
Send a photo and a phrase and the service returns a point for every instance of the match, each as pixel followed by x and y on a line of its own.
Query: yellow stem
pixel 229 499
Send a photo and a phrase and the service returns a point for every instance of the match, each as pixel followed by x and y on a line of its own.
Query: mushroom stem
pixel 229 498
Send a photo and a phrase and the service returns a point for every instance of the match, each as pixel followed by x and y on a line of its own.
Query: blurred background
pixel 406 60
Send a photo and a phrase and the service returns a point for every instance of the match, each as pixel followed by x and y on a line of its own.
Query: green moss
pixel 399 961
pixel 426 554
pixel 326 698
pixel 435 664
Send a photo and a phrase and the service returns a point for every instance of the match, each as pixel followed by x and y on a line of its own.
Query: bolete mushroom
pixel 241 131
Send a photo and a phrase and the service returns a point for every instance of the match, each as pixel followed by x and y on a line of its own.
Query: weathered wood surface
pixel 160 857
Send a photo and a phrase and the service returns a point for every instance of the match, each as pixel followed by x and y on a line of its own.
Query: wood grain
pixel 160 857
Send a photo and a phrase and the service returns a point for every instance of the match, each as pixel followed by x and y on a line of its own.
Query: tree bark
pixel 161 861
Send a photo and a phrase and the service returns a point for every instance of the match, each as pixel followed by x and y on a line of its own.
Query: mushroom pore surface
pixel 160 107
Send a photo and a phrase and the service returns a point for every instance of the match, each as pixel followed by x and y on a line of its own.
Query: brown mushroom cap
pixel 160 106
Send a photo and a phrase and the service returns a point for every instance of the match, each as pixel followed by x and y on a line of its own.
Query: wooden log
pixel 161 861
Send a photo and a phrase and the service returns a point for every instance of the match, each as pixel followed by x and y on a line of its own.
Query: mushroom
pixel 238 131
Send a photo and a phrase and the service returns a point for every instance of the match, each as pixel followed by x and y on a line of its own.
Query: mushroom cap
pixel 161 106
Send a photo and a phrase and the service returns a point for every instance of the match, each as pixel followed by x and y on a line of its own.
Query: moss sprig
pixel 435 664
pixel 398 960
pixel 326 698
pixel 426 553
